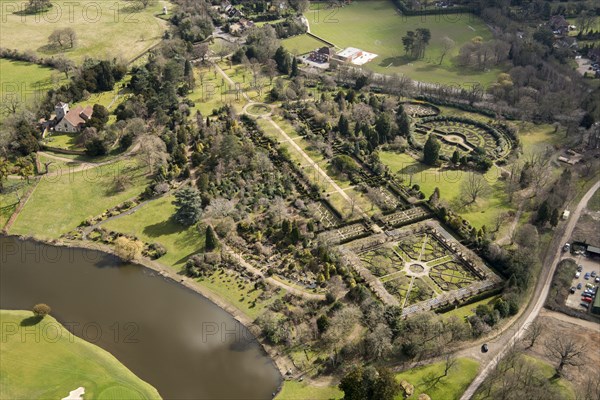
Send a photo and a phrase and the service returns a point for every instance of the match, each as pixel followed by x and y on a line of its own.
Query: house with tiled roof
pixel 71 121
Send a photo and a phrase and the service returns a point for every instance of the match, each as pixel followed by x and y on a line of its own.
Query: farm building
pixel 321 55
pixel 71 121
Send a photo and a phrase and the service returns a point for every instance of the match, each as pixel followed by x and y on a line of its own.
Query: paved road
pixel 511 336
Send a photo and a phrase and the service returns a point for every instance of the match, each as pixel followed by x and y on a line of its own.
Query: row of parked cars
pixel 588 294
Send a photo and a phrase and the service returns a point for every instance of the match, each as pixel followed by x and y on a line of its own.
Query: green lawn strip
pixel 47 361
pixel 104 30
pixel 302 44
pixel 469 309
pixel 449 387
pixel 61 203
pixel 153 223
pixel 377 27
pixel 66 141
pixel 293 390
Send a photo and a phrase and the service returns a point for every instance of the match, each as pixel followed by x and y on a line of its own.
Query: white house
pixel 71 121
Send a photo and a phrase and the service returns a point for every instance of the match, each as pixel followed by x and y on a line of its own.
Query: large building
pixel 71 121
pixel 596 304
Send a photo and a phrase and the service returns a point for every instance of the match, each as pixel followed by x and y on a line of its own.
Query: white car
pixel 577 274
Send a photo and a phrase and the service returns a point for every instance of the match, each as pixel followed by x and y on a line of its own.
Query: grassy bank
pixel 61 202
pixel 46 361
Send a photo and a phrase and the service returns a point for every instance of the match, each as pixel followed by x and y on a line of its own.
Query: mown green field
pixel 105 29
pixel 302 44
pixel 376 26
pixel 61 202
pixel 449 387
pixel 152 223
pixel 45 361
pixel 25 82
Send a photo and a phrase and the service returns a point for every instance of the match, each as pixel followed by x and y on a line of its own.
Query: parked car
pixel 587 299
pixel 597 280
pixel 577 274
pixel 589 286
pixel 572 289
pixel 579 285
pixel 586 276
pixel 484 348
pixel 585 305
pixel 566 247
pixel 593 274
pixel 580 268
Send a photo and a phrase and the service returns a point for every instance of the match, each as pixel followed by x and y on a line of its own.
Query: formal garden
pixel 422 262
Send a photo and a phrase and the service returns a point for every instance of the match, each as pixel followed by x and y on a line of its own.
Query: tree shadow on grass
pixel 31 321
pixel 395 61
pixel 166 227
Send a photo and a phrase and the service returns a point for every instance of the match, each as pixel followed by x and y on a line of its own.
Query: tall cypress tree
pixel 431 151
pixel 211 240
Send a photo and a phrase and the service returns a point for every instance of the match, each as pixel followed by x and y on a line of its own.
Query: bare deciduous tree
pixel 565 350
pixel 473 187
pixel 533 332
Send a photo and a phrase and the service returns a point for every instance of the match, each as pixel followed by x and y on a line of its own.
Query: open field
pixel 47 361
pixel 152 223
pixel 25 82
pixel 293 390
pixel 449 181
pixel 60 203
pixel 302 44
pixel 377 27
pixel 447 388
pixel 105 29
pixel 594 203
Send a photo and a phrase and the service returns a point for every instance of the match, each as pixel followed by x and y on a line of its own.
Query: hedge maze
pixel 466 136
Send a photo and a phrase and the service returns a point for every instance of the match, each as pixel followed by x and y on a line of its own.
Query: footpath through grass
pixel 60 203
pixel 447 388
pixel 45 361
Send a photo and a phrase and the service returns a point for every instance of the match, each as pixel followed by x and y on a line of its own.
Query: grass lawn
pixel 377 27
pixel 105 29
pixel 153 223
pixel 61 203
pixel 24 81
pixel 293 390
pixel 449 387
pixel 449 182
pixel 53 362
pixel 63 140
pixel 469 309
pixel 302 44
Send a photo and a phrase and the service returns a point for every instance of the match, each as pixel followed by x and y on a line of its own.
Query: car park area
pixel 585 283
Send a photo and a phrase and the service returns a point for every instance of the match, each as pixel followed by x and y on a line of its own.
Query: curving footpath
pixel 512 336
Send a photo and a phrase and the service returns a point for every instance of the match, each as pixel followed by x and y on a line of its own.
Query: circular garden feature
pixel 258 109
pixel 416 268
pixel 418 109
pixel 462 134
